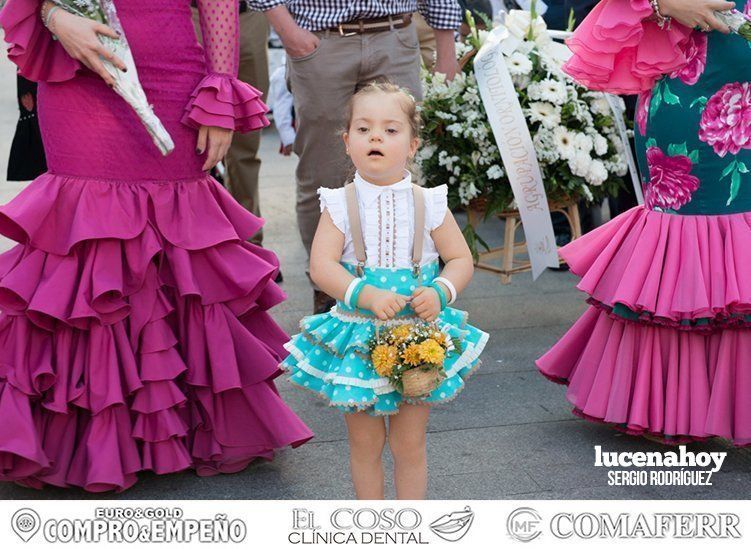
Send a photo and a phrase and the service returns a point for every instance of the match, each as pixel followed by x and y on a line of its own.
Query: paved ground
pixel 509 435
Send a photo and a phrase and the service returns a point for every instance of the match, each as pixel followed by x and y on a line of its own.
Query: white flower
pixel 519 21
pixel 617 165
pixel 467 191
pixel 600 106
pixel 546 113
pixel 455 129
pixel 545 146
pixel 564 142
pixel 580 164
pixel 597 174
pixel 445 116
pixel 601 145
pixel 525 47
pixel 548 89
pixel 495 172
pixel 521 81
pixel 583 142
pixel 587 193
pixel 518 64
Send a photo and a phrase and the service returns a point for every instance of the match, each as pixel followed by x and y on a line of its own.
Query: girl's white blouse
pixel 388 221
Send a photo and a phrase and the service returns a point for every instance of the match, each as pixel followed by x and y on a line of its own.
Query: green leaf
pixel 669 97
pixel 675 149
pixel 701 101
pixel 472 239
pixel 730 167
pixel 693 156
pixel 571 20
pixel 656 101
pixel 735 185
pixel 651 142
pixel 742 167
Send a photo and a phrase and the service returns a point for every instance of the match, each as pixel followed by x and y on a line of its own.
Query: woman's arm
pixel 332 278
pixel 78 36
pixel 453 249
pixel 220 28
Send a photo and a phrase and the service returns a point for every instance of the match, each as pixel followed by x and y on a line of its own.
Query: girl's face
pixel 379 139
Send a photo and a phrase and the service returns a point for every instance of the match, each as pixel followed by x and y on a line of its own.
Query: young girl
pixel 376 250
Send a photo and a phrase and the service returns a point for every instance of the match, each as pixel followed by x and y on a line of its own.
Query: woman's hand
pixel 697 13
pixel 382 303
pixel 217 140
pixel 426 303
pixel 78 37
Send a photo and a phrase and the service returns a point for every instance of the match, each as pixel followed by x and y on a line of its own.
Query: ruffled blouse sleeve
pixel 30 44
pixel 436 203
pixel 221 99
pixel 335 202
pixel 619 49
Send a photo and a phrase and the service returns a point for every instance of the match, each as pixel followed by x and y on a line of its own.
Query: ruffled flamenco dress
pixel 664 348
pixel 134 332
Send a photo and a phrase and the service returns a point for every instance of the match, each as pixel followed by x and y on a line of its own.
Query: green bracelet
pixel 356 294
pixel 441 294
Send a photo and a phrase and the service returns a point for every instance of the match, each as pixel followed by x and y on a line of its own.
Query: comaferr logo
pixel 645 525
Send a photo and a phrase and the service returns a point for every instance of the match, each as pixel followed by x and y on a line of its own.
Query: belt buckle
pixel 342 33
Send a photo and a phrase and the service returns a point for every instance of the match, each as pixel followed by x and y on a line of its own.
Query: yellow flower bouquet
pixel 411 356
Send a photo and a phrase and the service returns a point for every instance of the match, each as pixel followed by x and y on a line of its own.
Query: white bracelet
pixel 49 15
pixel 452 289
pixel 350 289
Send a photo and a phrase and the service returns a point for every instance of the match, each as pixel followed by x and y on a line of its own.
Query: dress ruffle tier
pixel 135 334
pixel 664 347
pixel 619 48
pixel 331 357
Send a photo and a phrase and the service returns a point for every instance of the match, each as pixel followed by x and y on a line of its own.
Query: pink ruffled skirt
pixel 135 334
pixel 664 347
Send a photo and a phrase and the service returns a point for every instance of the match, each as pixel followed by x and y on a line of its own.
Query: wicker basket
pixel 418 382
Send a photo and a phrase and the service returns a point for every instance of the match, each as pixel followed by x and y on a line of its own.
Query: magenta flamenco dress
pixel 134 332
pixel 665 346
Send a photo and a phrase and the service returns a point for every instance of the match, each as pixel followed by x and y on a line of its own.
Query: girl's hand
pixel 382 303
pixel 78 37
pixel 218 141
pixel 697 13
pixel 426 303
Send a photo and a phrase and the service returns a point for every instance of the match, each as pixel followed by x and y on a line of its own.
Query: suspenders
pixel 353 212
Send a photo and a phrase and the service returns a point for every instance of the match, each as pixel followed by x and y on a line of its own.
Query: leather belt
pixel 378 24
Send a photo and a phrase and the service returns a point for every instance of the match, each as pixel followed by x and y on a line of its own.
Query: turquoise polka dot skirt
pixel 330 355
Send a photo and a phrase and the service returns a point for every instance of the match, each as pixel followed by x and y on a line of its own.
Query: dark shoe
pixel 322 302
pixel 279 278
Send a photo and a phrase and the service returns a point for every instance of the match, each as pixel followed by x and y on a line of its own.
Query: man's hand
pixel 297 41
pixel 446 61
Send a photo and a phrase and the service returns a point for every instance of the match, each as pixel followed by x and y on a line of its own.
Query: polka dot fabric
pixel 221 99
pixel 330 355
pixel 219 26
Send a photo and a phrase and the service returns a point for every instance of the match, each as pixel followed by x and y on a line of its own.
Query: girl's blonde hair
pixel 409 105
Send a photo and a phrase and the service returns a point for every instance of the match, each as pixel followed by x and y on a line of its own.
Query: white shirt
pixel 280 101
pixel 388 221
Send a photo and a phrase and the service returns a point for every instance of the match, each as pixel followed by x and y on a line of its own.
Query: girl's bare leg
pixel 407 437
pixel 367 437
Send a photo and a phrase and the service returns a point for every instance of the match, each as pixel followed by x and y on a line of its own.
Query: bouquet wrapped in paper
pixel 738 22
pixel 127 84
pixel 411 356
